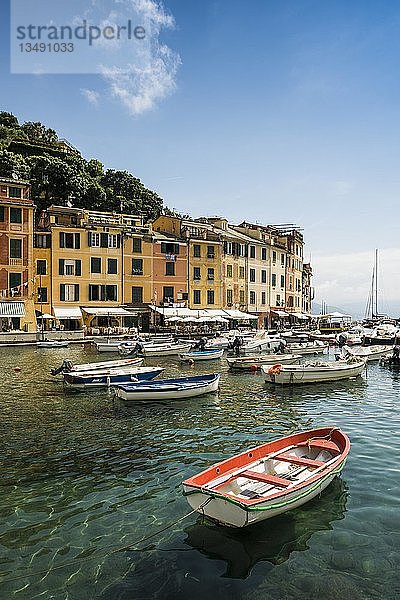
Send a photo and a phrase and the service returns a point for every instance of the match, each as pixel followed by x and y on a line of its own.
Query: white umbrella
pixel 174 319
pixel 45 316
pixel 221 319
pixel 189 319
pixel 205 319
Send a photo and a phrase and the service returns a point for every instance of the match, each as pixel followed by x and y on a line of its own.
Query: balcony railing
pixel 15 262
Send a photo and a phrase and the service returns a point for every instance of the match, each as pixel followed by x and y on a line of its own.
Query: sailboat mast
pixel 376 282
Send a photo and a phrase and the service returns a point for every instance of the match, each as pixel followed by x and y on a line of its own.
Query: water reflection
pixel 273 540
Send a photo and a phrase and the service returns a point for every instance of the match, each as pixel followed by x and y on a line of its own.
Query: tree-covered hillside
pixel 59 174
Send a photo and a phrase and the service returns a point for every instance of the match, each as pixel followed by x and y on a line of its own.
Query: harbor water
pixel 85 478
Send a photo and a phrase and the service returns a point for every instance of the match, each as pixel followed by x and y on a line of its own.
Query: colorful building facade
pixel 17 284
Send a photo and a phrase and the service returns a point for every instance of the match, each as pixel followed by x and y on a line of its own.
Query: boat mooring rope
pixel 111 552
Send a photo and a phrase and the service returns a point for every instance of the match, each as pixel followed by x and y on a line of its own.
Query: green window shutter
pixel 76 298
pixel 62 239
pixel 89 239
pixel 77 240
pixel 61 267
pixel 78 268
pixel 62 291
pixel 104 240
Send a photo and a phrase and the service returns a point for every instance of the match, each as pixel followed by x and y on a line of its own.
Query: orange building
pixel 16 251
pixel 170 273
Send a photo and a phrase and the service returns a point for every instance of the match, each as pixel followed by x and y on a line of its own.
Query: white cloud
pixel 140 75
pixel 139 88
pixel 91 96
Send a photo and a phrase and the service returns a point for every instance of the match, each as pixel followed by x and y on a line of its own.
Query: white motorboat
pixel 52 344
pixel 313 372
pixel 108 345
pixel 218 342
pixel 369 353
pixel 253 363
pixel 315 347
pixel 68 366
pixel 165 349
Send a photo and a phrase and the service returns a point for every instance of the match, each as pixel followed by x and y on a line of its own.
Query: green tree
pixel 95 168
pixel 39 133
pixel 126 193
pixel 8 120
pixel 13 165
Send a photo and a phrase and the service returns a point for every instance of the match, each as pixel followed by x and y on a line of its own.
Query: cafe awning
pixel 238 315
pixel 67 312
pixel 280 313
pixel 12 309
pixel 112 311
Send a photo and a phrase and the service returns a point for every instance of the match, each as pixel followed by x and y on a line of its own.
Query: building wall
pixel 164 252
pixel 205 291
pixel 16 248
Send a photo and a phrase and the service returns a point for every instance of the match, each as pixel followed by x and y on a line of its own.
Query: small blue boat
pixel 207 354
pixel 112 377
pixel 173 388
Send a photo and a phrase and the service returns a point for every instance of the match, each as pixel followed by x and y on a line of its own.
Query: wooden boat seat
pixel 298 460
pixel 266 478
pixel 322 445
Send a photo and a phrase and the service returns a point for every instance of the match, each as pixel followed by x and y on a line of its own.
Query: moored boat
pixel 101 379
pixel 314 347
pixel 199 355
pixel 313 372
pixel 253 363
pixel 68 366
pixel 108 345
pixel 169 389
pixel 165 349
pixel 270 479
pixel 52 344
pixel 370 353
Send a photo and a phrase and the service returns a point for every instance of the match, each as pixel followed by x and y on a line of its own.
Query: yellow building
pixel 204 271
pixel 16 249
pixel 95 262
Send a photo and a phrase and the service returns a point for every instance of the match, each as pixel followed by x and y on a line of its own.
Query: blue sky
pixel 277 112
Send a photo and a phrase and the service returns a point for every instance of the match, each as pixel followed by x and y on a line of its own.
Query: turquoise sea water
pixel 82 476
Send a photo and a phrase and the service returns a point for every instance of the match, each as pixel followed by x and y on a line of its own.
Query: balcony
pixel 15 262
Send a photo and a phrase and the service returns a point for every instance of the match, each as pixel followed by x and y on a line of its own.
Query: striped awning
pixel 12 309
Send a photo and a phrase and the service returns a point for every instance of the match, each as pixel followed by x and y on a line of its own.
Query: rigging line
pixel 106 555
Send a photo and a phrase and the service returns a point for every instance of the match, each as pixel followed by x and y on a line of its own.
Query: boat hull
pixel 104 380
pixel 170 350
pixel 254 363
pixel 108 346
pixel 167 390
pixel 304 350
pixel 228 513
pixel 370 353
pixel 202 355
pixel 290 375
pixel 108 364
pixel 52 344
pixel 220 491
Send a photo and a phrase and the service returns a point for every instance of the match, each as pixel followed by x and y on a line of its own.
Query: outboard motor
pixel 65 366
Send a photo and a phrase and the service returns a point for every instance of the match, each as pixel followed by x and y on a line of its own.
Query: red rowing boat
pixel 268 480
